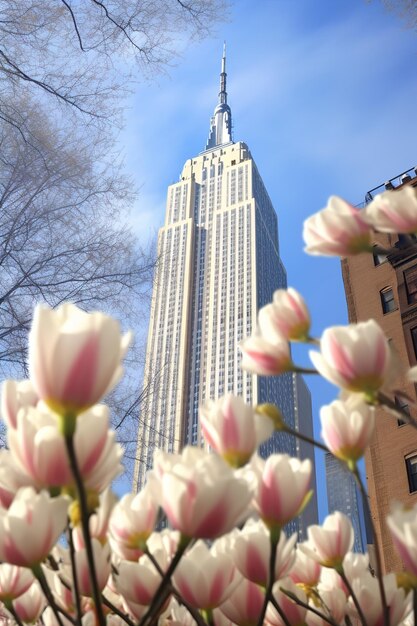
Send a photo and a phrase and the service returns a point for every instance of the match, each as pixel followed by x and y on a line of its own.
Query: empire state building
pixel 219 262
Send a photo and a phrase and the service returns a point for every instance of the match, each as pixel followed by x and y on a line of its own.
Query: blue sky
pixel 323 92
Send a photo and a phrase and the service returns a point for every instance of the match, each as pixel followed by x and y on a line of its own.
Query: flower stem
pixel 192 611
pixel 303 370
pixel 280 611
pixel 117 611
pixel 354 598
pixel 307 606
pixel 160 595
pixel 40 576
pixel 82 498
pixel 75 590
pixel 274 538
pixel 313 442
pixel 368 513
pixel 9 606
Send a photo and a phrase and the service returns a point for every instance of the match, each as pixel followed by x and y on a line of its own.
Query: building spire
pixel 221 123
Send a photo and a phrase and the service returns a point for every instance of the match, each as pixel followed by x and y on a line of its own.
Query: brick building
pixel 385 288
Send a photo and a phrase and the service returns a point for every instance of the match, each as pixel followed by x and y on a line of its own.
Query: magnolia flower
pixel 330 543
pixel 355 357
pixel 74 357
pixel 233 429
pixel 200 494
pixel 131 523
pixel 98 522
pixel 39 449
pixel 12 478
pixel 14 396
pixel 13 581
pixel 138 582
pixel 334 601
pixel 366 590
pixel 251 553
pixel 244 605
pixel 283 488
pixel 31 526
pixel 393 211
pixel 101 555
pixel 402 523
pixel 338 230
pixel 305 571
pixel 288 315
pixel 205 579
pixel 294 613
pixel 30 605
pixel 347 428
pixel 266 356
pixel 62 593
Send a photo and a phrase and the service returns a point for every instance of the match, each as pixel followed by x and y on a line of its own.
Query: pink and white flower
pixel 101 555
pixel 366 590
pixel 12 478
pixel 338 230
pixel 200 494
pixel 294 613
pixel 330 543
pixel 355 357
pixel 402 523
pixel 393 211
pixel 31 526
pixel 233 429
pixel 244 605
pixel 205 579
pixel 288 315
pixel 14 396
pixel 132 521
pixel 266 356
pixel 251 553
pixel 98 522
pixel 13 581
pixel 334 602
pixel 305 571
pixel 74 357
pixel 347 427
pixel 283 488
pixel 40 452
pixel 138 582
pixel 30 605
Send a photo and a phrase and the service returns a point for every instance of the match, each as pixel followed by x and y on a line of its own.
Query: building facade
pixel 218 264
pixel 385 288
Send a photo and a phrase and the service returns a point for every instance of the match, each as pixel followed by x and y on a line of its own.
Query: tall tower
pixel 218 264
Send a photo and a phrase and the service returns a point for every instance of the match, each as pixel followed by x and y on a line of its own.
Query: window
pixel 403 406
pixel 379 258
pixel 414 339
pixel 411 465
pixel 387 300
pixel 410 280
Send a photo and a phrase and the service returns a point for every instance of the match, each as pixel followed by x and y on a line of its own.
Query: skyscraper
pixel 219 263
pixel 384 287
pixel 343 496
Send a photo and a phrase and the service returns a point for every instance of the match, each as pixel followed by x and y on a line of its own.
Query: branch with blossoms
pixel 225 557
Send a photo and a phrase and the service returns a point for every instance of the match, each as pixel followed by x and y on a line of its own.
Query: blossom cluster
pixel 205 541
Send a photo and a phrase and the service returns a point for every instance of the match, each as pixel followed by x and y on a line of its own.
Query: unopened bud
pixel 274 414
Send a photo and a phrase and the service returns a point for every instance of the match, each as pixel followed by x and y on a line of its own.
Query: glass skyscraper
pixel 219 262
